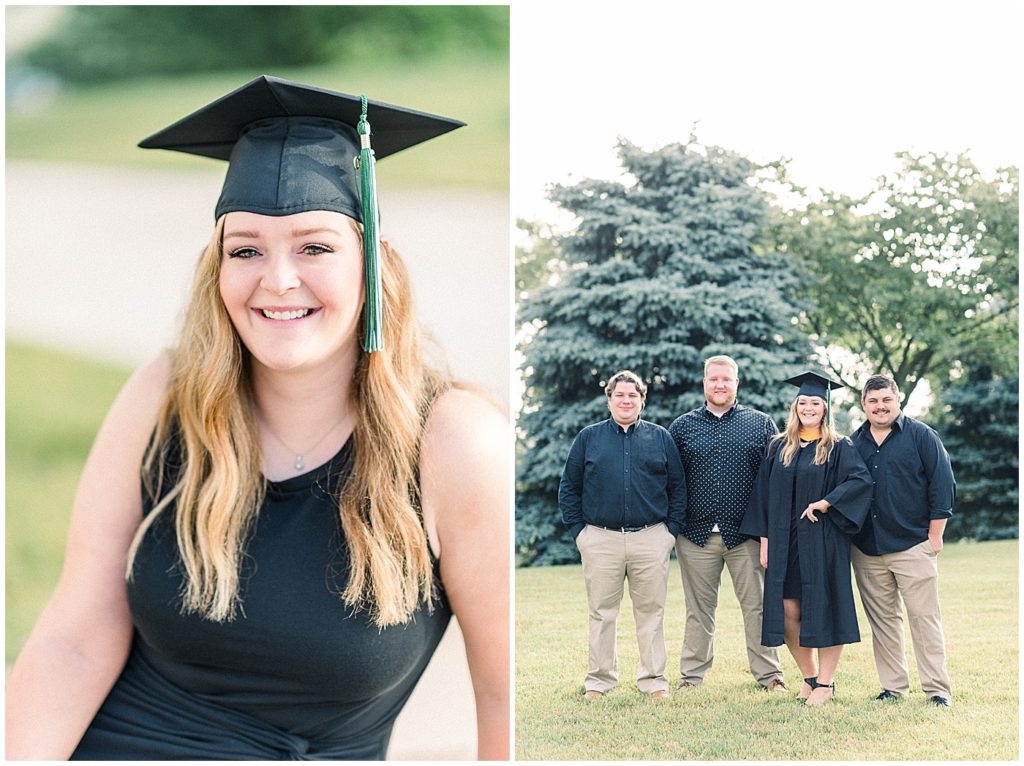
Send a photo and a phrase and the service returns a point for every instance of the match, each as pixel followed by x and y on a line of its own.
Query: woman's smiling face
pixel 810 410
pixel 293 286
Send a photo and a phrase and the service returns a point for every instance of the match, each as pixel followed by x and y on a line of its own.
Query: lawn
pixel 55 404
pixel 730 718
pixel 79 126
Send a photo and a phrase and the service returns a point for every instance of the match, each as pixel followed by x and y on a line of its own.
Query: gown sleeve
pixel 848 488
pixel 755 520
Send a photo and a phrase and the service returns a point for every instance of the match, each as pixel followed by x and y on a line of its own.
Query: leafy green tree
pixel 914 276
pixel 660 274
pixel 980 427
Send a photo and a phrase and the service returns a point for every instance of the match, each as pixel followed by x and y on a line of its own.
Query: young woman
pixel 315 501
pixel 812 494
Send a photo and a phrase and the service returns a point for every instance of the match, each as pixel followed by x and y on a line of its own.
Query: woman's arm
pixel 848 488
pixel 81 641
pixel 466 476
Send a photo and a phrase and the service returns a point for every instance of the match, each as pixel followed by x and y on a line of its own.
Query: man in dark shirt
pixel 721 445
pixel 895 553
pixel 623 497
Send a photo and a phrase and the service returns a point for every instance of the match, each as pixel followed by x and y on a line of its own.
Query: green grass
pixel 730 718
pixel 55 404
pixel 103 124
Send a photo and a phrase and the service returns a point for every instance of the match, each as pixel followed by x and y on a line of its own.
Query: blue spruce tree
pixel 981 435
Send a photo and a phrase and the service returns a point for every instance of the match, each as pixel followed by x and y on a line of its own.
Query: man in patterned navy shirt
pixel 721 445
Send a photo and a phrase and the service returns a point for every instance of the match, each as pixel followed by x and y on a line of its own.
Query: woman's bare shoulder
pixel 112 469
pixel 147 387
pixel 465 467
pixel 134 413
pixel 466 418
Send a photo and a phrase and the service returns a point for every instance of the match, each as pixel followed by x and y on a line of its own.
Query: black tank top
pixel 295 676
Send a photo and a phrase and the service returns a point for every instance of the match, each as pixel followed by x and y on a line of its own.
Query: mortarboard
pixel 293 148
pixel 815 384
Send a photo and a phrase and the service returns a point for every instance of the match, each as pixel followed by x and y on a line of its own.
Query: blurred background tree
pixel 70 68
pixel 979 426
pixel 108 42
pixel 914 276
pixel 658 275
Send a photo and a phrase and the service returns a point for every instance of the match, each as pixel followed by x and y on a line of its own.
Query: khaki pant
pixel 642 559
pixel 882 580
pixel 701 570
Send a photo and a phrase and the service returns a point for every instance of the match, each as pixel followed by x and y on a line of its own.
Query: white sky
pixel 839 87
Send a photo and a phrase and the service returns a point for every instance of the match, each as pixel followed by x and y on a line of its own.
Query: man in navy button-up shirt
pixel 623 497
pixel 895 553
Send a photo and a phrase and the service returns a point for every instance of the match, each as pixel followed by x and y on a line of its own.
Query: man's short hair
pixel 721 359
pixel 625 376
pixel 877 382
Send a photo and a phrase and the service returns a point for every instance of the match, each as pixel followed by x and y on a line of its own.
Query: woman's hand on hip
pixel 821 507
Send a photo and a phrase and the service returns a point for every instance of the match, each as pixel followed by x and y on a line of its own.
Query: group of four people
pixel 785 512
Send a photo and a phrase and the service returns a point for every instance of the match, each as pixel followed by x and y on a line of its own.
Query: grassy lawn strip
pixel 730 718
pixel 103 124
pixel 55 404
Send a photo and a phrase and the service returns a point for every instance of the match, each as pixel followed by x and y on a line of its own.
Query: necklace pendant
pixel 299 463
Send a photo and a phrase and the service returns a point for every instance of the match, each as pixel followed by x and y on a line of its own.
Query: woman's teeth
pixel 285 314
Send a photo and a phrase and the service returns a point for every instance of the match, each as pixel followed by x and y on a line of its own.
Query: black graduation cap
pixel 293 148
pixel 814 384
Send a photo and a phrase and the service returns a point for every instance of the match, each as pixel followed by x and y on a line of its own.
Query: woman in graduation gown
pixel 811 495
pixel 280 515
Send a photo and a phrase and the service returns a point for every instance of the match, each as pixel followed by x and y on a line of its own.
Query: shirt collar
pixel 616 427
pixel 709 414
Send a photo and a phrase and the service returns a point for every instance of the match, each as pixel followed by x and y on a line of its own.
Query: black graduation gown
pixel 827 615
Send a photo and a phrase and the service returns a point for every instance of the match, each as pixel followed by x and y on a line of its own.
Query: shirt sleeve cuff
pixel 673 528
pixel 575 529
pixel 940 513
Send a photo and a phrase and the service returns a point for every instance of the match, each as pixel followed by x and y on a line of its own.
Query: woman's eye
pixel 314 249
pixel 244 252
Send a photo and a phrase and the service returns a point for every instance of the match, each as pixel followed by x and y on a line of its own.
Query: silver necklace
pixel 300 457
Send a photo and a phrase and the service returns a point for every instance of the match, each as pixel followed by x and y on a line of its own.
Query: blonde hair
pixel 790 437
pixel 217 494
pixel 722 359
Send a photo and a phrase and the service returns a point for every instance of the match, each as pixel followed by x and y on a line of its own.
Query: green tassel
pixel 373 308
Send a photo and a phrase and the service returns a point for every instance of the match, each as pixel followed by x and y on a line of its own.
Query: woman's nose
pixel 279 274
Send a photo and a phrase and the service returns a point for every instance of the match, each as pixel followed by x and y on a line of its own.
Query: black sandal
pixel 812 682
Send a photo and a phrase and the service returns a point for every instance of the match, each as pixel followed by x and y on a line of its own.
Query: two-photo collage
pixel 513 382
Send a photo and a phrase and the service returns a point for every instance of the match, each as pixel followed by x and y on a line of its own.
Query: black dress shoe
pixel 940 701
pixel 887 695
